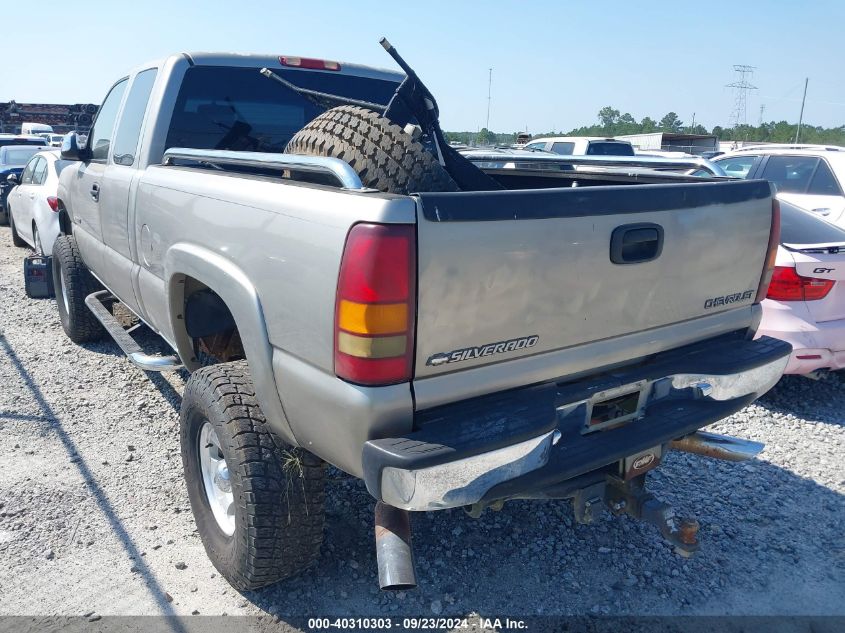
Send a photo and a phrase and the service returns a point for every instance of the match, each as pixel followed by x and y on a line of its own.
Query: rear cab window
pixel 609 148
pixel 230 108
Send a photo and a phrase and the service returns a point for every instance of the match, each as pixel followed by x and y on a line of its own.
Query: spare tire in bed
pixel 385 156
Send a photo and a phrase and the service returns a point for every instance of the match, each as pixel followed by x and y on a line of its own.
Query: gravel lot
pixel 94 516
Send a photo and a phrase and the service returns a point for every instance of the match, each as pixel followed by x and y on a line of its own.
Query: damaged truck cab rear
pixel 451 348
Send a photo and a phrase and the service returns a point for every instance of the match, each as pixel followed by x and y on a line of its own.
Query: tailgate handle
pixel 636 243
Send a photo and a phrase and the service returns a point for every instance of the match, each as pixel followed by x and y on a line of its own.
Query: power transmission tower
pixel 741 86
pixel 762 110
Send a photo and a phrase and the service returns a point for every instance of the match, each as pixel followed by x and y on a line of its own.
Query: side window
pixel 823 182
pixel 26 176
pixel 563 148
pixel 39 173
pixel 99 139
pixel 536 146
pixel 129 130
pixel 737 166
pixel 791 174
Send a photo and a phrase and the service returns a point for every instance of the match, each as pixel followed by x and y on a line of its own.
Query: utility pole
pixel 489 96
pixel 762 110
pixel 801 116
pixel 692 125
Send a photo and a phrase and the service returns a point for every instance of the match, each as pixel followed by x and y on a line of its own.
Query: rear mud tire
pixel 277 491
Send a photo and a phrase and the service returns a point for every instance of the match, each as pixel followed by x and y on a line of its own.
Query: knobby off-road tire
pixel 16 239
pixel 72 282
pixel 277 491
pixel 385 156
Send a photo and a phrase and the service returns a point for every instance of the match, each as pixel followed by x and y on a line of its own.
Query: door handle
pixel 95 192
pixel 636 243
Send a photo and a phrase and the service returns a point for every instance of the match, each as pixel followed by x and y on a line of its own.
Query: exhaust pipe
pixel 732 449
pixel 393 548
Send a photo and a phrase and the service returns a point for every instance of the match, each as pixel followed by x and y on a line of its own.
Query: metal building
pixel 673 142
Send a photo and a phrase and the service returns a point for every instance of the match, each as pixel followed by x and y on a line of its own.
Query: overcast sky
pixel 555 64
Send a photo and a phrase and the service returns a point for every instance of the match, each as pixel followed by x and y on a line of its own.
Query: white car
pixel 33 205
pixel 810 177
pixel 581 146
pixel 805 303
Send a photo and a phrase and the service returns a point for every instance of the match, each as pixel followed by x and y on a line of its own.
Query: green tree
pixel 608 117
pixel 486 137
pixel 670 123
pixel 648 125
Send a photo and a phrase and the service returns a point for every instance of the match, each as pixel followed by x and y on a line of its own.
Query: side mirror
pixel 72 149
pixel 12 179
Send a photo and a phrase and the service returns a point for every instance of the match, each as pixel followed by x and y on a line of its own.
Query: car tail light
pixel 788 285
pixel 307 62
pixel 53 201
pixel 771 253
pixel 375 305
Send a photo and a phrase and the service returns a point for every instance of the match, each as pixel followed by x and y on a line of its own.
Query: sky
pixel 555 63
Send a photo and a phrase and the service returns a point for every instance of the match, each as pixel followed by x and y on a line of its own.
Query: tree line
pixel 612 122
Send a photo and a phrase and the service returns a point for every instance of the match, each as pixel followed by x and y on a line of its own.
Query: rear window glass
pixel 240 109
pixel 29 141
pixel 602 148
pixel 18 155
pixel 802 227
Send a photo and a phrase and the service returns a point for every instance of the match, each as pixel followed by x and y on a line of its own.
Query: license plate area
pixel 614 407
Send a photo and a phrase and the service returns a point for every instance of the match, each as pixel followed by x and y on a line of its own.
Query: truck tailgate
pixel 508 274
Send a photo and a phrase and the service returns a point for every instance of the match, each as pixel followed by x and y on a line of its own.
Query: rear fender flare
pixel 240 296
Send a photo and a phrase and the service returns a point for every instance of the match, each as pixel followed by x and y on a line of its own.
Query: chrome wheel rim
pixel 215 479
pixel 38 248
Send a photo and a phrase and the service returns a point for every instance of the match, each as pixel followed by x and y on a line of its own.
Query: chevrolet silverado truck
pixel 346 289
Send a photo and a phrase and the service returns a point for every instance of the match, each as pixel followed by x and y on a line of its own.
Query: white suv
pixel 810 177
pixel 582 146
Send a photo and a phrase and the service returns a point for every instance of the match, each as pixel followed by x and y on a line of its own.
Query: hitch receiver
pixel 631 498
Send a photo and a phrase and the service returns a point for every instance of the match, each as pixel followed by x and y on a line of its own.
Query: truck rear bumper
pixel 526 441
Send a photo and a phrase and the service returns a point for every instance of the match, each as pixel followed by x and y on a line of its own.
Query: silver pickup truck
pixel 345 291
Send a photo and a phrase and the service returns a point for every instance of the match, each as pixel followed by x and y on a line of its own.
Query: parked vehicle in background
pixel 522 138
pixel 810 177
pixel 22 139
pixel 453 348
pixel 582 146
pixel 54 140
pixel 12 161
pixel 805 303
pixel 33 205
pixel 36 128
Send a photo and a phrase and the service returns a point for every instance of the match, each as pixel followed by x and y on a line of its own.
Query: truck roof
pixel 247 60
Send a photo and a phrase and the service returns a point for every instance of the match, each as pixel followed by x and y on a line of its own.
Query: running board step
pixel 124 340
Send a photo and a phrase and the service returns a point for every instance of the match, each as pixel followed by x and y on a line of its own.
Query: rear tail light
pixel 771 253
pixel 788 285
pixel 307 62
pixel 375 305
pixel 53 202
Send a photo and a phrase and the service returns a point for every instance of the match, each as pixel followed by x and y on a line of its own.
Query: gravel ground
pixel 94 515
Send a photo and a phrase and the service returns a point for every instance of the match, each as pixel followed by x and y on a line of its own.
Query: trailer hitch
pixel 631 498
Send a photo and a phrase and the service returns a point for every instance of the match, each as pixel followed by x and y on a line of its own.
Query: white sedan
pixel 33 206
pixel 805 303
pixel 809 176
